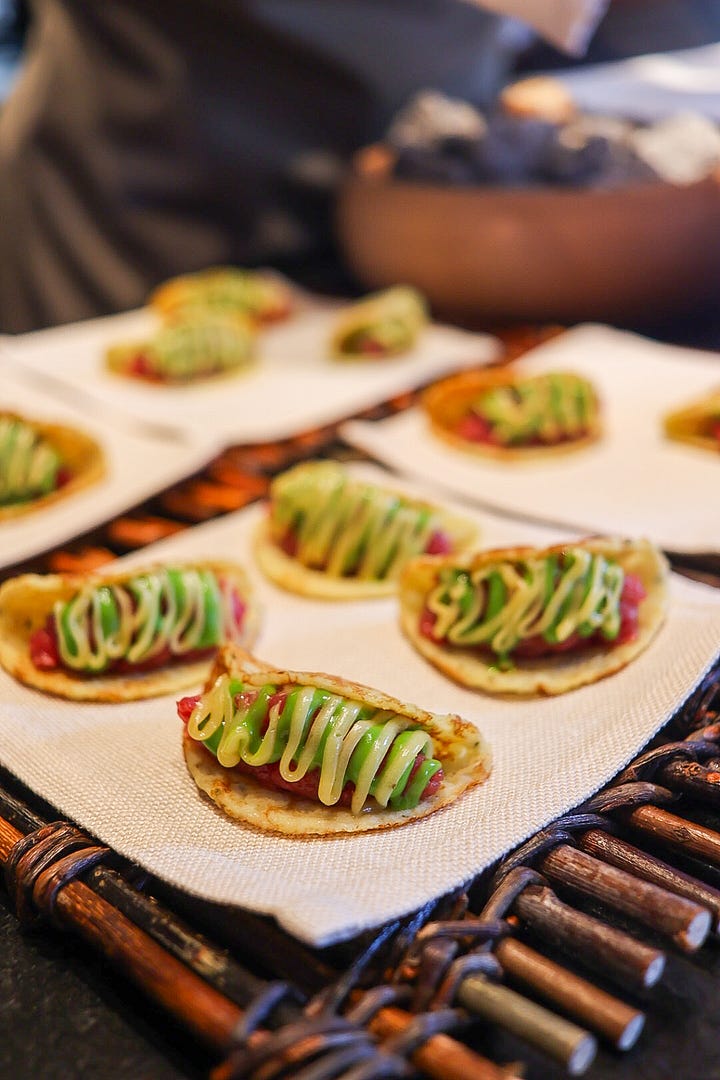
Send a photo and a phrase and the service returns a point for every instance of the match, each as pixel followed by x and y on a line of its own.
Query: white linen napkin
pixel 633 481
pixel 139 465
pixel 295 384
pixel 118 769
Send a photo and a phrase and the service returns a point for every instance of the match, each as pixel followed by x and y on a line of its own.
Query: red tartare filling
pixel 289 543
pixel 632 594
pixel 439 543
pixel 140 367
pixel 45 655
pixel 307 787
pixel 272 313
pixel 716 430
pixel 370 347
pixel 45 650
pixel 477 429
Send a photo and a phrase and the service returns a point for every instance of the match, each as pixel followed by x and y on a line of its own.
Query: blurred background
pixel 13 27
pixel 143 140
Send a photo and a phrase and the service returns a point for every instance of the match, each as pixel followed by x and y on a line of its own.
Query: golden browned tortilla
pixel 547 674
pixel 398 313
pixel 80 454
pixel 693 424
pixel 258 294
pixel 464 753
pixel 291 574
pixel 27 601
pixel 447 402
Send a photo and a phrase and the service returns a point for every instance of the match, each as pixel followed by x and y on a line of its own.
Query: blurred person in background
pixel 145 138
pixel 13 26
pixel 634 27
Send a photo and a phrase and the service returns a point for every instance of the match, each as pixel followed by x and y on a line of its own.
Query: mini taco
pixel 310 754
pixel 41 463
pixel 513 417
pixel 384 324
pixel 224 290
pixel 336 537
pixel 532 620
pixel 125 635
pixel 201 346
pixel 697 424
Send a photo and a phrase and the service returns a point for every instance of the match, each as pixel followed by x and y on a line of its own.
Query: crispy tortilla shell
pixel 291 574
pixel 120 357
pixel 272 302
pixel 80 454
pixel 464 754
pixel 692 424
pixel 547 674
pixel 26 602
pixel 401 303
pixel 447 402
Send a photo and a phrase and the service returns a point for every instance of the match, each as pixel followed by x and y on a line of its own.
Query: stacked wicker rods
pixel 583 855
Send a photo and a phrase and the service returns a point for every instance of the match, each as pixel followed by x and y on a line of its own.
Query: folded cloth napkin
pixel 296 384
pixel 632 481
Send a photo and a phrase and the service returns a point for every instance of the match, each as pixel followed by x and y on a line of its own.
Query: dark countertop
pixel 64 1013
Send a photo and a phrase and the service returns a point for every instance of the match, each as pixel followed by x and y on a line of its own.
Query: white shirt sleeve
pixel 569 24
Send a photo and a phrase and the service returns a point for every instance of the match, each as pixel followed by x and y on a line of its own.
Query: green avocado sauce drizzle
pixel 502 604
pixel 201 343
pixel 389 321
pixel 182 610
pixel 29 465
pixel 231 290
pixel 345 527
pixel 312 729
pixel 547 408
pixel 388 335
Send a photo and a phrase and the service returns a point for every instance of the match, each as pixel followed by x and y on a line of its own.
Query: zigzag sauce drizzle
pixel 579 593
pixel 346 526
pixel 545 408
pixel 137 619
pixel 322 730
pixel 28 464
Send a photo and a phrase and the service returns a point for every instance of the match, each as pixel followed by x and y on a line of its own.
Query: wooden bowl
pixel 642 253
